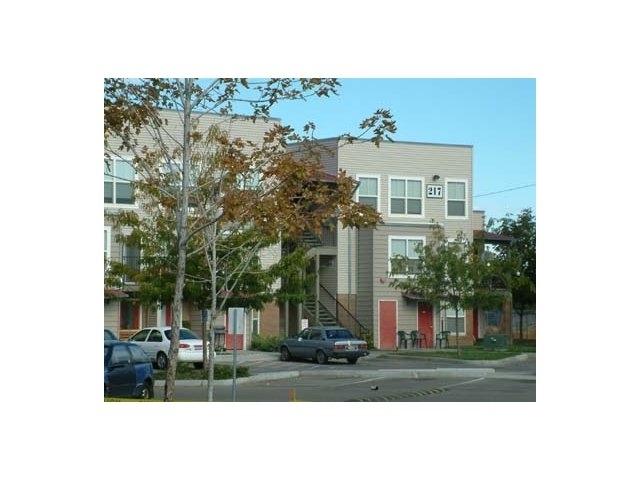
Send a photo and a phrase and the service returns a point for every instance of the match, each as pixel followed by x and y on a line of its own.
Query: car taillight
pixel 362 346
pixel 339 346
pixel 184 345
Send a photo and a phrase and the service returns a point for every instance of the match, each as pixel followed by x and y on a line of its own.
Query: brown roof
pixel 490 237
pixel 114 293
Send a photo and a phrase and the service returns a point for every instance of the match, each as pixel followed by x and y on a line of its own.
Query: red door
pixel 425 322
pixel 388 324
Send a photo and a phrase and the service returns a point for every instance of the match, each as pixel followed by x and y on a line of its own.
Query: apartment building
pixel 124 313
pixel 413 185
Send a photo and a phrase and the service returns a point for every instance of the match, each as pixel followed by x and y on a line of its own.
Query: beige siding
pixel 478 220
pixel 112 315
pixel 415 160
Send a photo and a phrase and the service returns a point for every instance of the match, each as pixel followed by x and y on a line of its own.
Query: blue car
pixel 128 371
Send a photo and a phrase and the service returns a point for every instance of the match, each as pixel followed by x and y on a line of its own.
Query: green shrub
pixel 264 343
pixel 367 336
pixel 185 371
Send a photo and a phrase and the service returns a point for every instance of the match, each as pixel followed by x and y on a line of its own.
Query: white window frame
pixel 406 197
pixel 410 254
pixel 107 243
pixel 450 318
pixel 377 195
pixel 114 180
pixel 447 199
pixel 255 321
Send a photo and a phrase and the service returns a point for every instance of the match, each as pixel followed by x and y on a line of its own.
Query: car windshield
pixel 185 334
pixel 339 333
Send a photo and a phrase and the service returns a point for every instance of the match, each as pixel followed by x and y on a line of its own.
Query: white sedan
pixel 155 342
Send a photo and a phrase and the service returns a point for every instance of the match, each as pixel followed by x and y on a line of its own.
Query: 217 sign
pixel 434 191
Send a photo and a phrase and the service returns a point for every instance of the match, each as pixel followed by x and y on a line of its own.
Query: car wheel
pixel 285 355
pixel 161 361
pixel 147 391
pixel 352 360
pixel 198 365
pixel 321 357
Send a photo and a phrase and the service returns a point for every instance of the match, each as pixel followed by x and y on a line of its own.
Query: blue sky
pixel 497 116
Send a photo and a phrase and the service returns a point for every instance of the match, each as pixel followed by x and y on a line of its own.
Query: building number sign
pixel 434 191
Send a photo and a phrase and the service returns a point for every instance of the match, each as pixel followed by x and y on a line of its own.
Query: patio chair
pixel 402 339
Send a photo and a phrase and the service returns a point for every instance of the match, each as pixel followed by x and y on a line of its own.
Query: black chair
pixel 416 339
pixel 443 337
pixel 402 339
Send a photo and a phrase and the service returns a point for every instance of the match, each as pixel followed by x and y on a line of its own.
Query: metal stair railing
pixel 346 318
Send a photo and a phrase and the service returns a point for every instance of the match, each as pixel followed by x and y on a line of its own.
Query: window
pixel 118 175
pixel 155 336
pixel 255 321
pixel 406 197
pixel 138 354
pixel 120 355
pixel 107 244
pixel 131 258
pixel 450 321
pixel 250 180
pixel 368 191
pixel 456 198
pixel 493 318
pixel 406 247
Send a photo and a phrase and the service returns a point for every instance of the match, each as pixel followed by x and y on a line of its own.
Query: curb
pixel 386 373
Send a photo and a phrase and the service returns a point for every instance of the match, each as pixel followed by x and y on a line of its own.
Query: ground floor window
pixel 255 321
pixel 493 318
pixel 450 321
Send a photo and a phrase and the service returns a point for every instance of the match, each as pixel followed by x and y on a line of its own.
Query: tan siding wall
pixel 112 316
pixel 478 220
pixel 415 160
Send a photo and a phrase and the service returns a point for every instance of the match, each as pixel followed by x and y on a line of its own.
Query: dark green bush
pixel 264 343
pixel 185 371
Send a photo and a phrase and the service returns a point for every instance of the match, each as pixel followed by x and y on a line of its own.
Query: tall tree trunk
pixel 213 268
pixel 176 320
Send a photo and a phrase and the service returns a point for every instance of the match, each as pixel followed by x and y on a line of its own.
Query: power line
pixel 507 190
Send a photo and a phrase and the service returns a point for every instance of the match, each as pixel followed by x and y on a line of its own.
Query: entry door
pixel 425 322
pixel 388 324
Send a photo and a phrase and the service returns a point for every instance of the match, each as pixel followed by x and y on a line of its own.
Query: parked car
pixel 155 341
pixel 109 335
pixel 322 343
pixel 128 371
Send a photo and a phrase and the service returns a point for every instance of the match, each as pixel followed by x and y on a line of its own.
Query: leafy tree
pixel 194 182
pixel 515 263
pixel 446 272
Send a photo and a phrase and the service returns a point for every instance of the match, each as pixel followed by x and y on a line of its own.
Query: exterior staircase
pixel 325 317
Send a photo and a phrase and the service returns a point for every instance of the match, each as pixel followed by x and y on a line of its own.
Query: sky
pixel 497 116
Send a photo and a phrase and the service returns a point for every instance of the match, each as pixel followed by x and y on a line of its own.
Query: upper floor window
pixel 107 243
pixel 406 197
pixel 118 178
pixel 456 198
pixel 368 191
pixel 407 247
